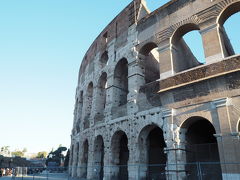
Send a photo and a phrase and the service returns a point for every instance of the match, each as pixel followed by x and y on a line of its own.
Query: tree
pixel 66 161
pixel 18 153
pixel 42 154
pixel 56 156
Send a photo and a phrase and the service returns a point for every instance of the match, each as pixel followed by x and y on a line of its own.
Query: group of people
pixel 5 172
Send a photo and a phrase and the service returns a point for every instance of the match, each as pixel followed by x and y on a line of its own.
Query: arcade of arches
pixel 148 108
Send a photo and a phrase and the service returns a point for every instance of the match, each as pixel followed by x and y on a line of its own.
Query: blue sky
pixel 42 43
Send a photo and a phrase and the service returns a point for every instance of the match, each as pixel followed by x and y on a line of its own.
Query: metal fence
pixel 189 171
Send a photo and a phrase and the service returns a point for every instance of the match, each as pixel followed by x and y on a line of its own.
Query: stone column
pixel 91 169
pixel 228 142
pixel 74 164
pixel 95 102
pixel 165 60
pixel 109 98
pixel 175 147
pixel 107 161
pixel 211 42
pixel 135 80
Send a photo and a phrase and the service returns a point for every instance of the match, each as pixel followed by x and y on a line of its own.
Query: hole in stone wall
pixel 99 157
pixel 194 42
pixel 153 4
pixel 156 154
pixel 121 82
pixel 84 163
pixel 182 55
pixel 120 155
pixel 202 146
pixel 232 26
pixel 104 59
pixel 101 97
pixel 150 57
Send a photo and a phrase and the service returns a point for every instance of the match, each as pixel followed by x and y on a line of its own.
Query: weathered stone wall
pixel 117 97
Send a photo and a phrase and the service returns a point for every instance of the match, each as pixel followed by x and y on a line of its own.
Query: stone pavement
pixel 50 176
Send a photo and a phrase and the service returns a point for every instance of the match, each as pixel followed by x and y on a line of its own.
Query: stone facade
pixel 143 98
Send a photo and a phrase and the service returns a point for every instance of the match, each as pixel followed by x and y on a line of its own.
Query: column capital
pixel 221 102
pixel 168 112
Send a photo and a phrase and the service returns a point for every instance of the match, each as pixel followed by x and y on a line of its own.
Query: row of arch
pixel 199 142
pixel 186 44
pixel 184 59
pixel 84 102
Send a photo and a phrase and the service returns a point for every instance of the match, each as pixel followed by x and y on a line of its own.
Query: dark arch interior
pixel 99 157
pixel 156 157
pixel 201 132
pixel 123 158
pixel 72 153
pixel 85 159
pixel 121 82
pixel 239 126
pixel 88 103
pixel 202 147
pixel 101 98
pixel 104 59
pixel 150 57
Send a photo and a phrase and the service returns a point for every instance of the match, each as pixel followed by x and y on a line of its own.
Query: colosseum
pixel 146 108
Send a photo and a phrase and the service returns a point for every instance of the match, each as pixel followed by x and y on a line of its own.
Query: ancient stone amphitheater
pixel 146 108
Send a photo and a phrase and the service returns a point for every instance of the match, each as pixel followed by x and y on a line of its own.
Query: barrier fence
pixel 189 171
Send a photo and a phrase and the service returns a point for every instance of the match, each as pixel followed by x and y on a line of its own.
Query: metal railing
pixel 186 171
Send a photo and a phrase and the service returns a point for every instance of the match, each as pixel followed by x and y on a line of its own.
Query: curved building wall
pixel 142 94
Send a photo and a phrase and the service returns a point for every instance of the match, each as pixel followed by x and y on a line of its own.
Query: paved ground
pixel 43 176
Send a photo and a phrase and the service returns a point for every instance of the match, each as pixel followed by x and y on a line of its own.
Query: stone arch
pixel 226 13
pixel 181 54
pixel 103 59
pixel 88 104
pixel 151 146
pixel 98 157
pixel 79 111
pixel 201 145
pixel 150 56
pixel 121 82
pixel 238 126
pixel 101 98
pixel 72 153
pixel 84 159
pixel 119 155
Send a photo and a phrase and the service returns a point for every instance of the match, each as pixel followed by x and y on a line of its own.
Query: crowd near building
pixel 147 108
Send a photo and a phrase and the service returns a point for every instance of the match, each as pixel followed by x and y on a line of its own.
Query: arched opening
pixel 88 104
pixel 79 111
pixel 151 147
pixel 150 57
pixel 228 29
pixel 72 152
pixel 183 57
pixel 101 98
pixel 77 155
pixel 104 59
pixel 201 146
pixel 238 128
pixel 84 161
pixel 120 155
pixel 121 83
pixel 99 157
